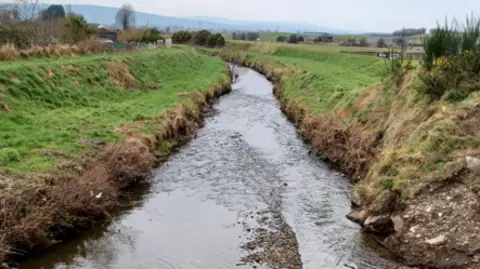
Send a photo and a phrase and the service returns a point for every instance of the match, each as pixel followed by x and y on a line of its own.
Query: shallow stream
pixel 246 158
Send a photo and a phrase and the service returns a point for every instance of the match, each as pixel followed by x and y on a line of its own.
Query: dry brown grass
pixel 10 52
pixel 119 74
pixel 131 34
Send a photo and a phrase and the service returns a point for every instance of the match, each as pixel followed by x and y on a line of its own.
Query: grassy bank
pixel 404 150
pixel 51 107
pixel 75 132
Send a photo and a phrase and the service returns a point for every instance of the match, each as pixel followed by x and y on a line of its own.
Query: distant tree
pixel 381 43
pixel 293 39
pixel 211 41
pixel 301 39
pixel 181 37
pixel 201 37
pixel 281 38
pixel 151 35
pixel 401 41
pixel 252 36
pixel 167 30
pixel 68 10
pixel 242 36
pixel 53 12
pixel 234 36
pixel 220 40
pixel 410 32
pixel 126 16
pixel 78 28
pixel 363 42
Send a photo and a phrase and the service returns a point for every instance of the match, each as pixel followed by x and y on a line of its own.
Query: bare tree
pixel 28 10
pixel 126 16
pixel 68 10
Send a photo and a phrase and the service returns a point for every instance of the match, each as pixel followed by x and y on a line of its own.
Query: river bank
pixel 413 160
pixel 78 132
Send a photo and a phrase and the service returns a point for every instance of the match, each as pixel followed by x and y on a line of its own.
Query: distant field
pixel 271 36
pixel 341 38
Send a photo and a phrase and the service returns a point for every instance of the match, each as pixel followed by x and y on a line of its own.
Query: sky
pixel 356 15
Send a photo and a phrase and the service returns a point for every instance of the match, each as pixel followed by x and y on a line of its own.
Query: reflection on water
pixel 245 156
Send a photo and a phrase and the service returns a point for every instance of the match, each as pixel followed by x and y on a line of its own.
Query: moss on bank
pixel 77 132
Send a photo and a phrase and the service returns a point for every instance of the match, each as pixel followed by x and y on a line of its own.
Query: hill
pixel 106 15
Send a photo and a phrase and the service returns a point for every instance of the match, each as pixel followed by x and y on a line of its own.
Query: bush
pixel 282 38
pixel 435 84
pixel 452 61
pixel 181 37
pixel 216 40
pixel 220 40
pixel 381 43
pixel 301 39
pixel 151 35
pixel 212 41
pixel 442 42
pixel 201 37
pixel 293 39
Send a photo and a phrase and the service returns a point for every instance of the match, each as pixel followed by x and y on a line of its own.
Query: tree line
pixel 248 36
pixel 199 38
pixel 410 32
pixel 25 23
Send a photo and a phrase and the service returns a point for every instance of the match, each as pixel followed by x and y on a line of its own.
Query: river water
pixel 246 156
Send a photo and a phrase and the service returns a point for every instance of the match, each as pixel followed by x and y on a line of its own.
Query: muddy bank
pixel 84 191
pixel 421 226
pixel 245 193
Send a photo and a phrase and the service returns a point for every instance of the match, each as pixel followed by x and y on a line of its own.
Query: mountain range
pixel 106 16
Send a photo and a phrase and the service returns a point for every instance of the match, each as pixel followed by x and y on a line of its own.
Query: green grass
pixel 53 109
pixel 272 36
pixel 325 79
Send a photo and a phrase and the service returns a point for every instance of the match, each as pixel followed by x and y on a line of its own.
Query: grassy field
pixel 51 105
pixel 327 79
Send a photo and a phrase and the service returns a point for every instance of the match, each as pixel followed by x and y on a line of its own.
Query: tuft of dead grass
pixel 119 74
pixel 9 52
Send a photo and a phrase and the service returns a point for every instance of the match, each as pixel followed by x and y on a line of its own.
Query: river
pixel 246 166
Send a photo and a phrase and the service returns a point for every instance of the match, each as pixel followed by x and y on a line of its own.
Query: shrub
pixel 211 41
pixel 395 66
pixel 282 38
pixel 293 39
pixel 201 37
pixel 151 35
pixel 301 39
pixel 442 42
pixel 452 61
pixel 181 37
pixel 220 40
pixel 435 84
pixel 381 43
